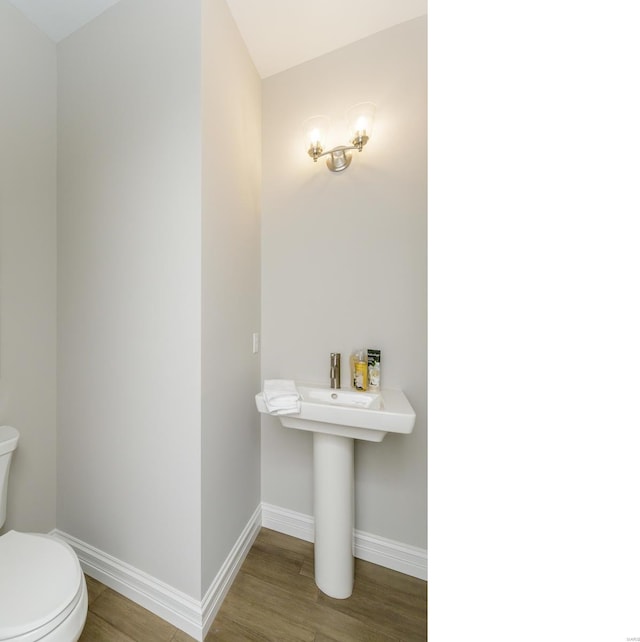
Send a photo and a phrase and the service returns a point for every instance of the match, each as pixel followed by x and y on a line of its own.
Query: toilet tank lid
pixel 8 439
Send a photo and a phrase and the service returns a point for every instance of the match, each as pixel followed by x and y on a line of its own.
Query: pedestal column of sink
pixel 333 512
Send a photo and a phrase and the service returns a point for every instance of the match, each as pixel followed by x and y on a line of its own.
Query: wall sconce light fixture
pixel 360 120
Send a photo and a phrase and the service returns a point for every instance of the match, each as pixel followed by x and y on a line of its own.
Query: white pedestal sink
pixel 336 418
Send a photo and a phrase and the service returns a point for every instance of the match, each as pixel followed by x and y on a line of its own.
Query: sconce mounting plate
pixel 339 159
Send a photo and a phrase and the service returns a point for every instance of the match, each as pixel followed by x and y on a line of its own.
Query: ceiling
pixel 278 33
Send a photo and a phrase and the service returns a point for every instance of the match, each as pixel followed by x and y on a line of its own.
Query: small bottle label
pixel 360 375
pixel 373 357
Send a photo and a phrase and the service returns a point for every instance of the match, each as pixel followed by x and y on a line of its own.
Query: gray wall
pixel 129 233
pixel 159 287
pixel 344 264
pixel 230 286
pixel 28 266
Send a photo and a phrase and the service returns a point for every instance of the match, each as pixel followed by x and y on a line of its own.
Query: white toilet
pixel 43 595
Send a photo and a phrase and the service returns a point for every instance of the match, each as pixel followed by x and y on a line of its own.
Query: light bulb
pixel 315 130
pixel 360 119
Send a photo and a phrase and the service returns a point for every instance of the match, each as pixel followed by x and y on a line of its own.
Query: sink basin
pixel 349 398
pixel 347 413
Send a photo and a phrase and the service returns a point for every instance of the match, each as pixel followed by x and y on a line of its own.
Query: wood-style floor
pixel 274 597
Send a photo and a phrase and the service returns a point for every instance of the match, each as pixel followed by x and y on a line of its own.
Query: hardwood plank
pixel 226 630
pixel 391 579
pixel 132 619
pixel 359 637
pixel 268 609
pixel 283 571
pixel 376 592
pixel 388 618
pixel 94 589
pixel 273 541
pixel 181 636
pixel 308 569
pixel 279 605
pixel 342 627
pixel 321 637
pixel 401 601
pixel 97 630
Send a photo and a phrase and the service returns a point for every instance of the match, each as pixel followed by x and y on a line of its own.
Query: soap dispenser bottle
pixel 359 367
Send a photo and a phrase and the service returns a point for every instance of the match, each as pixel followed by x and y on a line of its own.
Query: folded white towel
pixel 281 397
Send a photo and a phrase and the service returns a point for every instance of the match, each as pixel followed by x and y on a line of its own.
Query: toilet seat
pixel 41 587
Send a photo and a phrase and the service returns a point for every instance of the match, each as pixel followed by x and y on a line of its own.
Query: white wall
pixel 28 266
pixel 344 264
pixel 230 286
pixel 129 287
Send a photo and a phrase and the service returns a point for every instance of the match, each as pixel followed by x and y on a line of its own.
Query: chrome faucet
pixel 334 370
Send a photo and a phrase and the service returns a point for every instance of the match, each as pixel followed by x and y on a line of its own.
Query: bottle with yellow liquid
pixel 359 369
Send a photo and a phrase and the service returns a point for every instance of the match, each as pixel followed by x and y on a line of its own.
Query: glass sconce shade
pixel 360 119
pixel 315 131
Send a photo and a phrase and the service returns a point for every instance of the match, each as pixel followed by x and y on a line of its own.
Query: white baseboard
pixel 287 521
pixel 192 616
pixel 403 558
pixel 397 556
pixel 221 584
